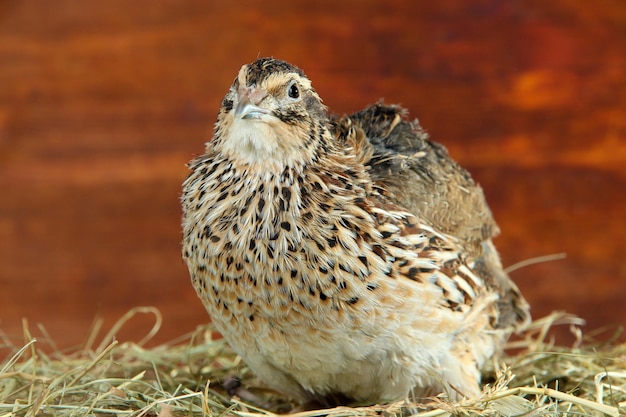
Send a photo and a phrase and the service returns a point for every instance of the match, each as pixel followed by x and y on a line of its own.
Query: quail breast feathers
pixel 343 256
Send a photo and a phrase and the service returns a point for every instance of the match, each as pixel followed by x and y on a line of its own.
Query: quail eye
pixel 293 91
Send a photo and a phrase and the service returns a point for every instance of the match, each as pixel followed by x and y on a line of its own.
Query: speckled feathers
pixel 322 270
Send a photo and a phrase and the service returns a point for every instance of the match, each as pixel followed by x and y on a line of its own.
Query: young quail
pixel 343 257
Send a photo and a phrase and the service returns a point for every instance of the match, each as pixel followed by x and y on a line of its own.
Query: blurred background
pixel 103 102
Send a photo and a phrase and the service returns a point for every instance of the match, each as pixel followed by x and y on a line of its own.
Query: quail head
pixel 343 257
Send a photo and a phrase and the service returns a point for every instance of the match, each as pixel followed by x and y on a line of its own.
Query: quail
pixel 343 257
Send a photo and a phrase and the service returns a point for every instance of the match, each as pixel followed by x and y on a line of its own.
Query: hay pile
pixel 184 378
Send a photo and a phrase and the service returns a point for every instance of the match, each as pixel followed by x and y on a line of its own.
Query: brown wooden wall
pixel 103 102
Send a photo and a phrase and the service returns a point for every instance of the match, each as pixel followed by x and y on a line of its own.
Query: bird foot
pixel 233 386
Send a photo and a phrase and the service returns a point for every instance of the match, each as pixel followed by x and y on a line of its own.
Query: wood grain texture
pixel 103 103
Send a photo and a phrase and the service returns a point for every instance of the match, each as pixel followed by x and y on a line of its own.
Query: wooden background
pixel 103 102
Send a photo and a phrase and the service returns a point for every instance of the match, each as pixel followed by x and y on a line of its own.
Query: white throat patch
pixel 253 141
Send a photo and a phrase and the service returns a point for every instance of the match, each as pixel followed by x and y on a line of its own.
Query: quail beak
pixel 248 103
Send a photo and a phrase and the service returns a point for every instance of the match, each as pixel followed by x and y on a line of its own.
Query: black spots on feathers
pixel 227 105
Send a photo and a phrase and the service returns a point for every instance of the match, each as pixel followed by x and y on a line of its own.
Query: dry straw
pixel 184 378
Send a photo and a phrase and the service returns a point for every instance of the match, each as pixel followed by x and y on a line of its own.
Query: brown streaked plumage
pixel 346 257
